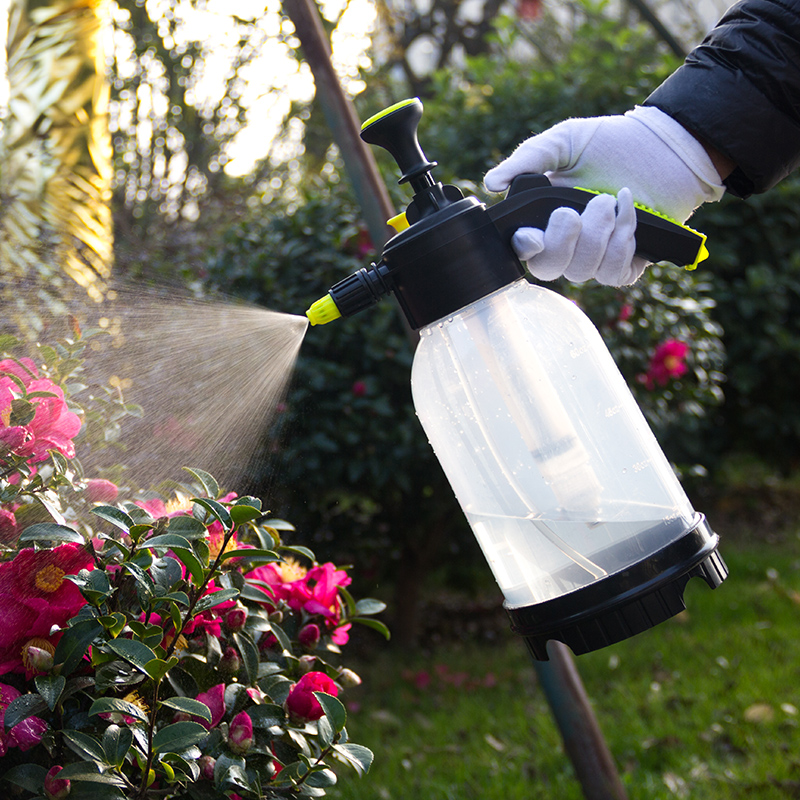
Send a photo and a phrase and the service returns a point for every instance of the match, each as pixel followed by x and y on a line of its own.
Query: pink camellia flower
pixel 24 369
pixel 315 591
pixel 99 490
pixel 214 698
pixel 54 426
pixel 35 597
pixel 240 733
pixel 25 734
pixel 668 362
pixel 8 526
pixel 625 312
pixel 301 701
pixel 13 439
pixel 56 788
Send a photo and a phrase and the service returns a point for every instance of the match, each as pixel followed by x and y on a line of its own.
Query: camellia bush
pixel 155 647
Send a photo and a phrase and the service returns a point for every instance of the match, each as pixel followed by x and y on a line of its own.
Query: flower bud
pixel 306 664
pixel 56 788
pixel 230 662
pixel 276 617
pixel 235 619
pixel 207 764
pixel 100 491
pixel 240 735
pixel 37 656
pixel 309 636
pixel 348 679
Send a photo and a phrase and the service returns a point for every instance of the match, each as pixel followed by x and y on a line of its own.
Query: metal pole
pixel 583 740
pixel 559 678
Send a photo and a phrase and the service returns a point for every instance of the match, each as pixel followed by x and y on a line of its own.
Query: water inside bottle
pixel 535 560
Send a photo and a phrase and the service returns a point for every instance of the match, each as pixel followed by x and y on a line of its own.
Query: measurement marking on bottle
pixel 610 412
pixel 640 465
pixel 578 351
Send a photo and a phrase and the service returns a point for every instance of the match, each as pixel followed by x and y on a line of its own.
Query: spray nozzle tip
pixel 323 311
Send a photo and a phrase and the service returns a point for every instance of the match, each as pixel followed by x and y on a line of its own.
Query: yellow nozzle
pixel 323 311
pixel 399 223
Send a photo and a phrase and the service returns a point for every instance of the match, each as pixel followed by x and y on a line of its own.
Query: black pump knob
pixel 395 129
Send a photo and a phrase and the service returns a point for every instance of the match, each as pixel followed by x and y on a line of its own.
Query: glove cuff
pixel 684 145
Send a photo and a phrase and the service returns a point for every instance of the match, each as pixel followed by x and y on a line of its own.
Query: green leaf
pixel 166 541
pixel 50 688
pixel 113 623
pixel 279 524
pixel 87 747
pixel 116 743
pixel 50 532
pixel 178 736
pixel 242 513
pixel 192 563
pixel 139 529
pixel 334 710
pixel 250 656
pixel 208 482
pixel 133 652
pixel 22 411
pixel 375 624
pixel 266 715
pixel 187 526
pixel 321 778
pixel 27 776
pixel 218 511
pixel 145 585
pixel 298 550
pixel 280 635
pixel 158 668
pixel 113 705
pixel 73 645
pixel 115 516
pixel 9 342
pixel 90 772
pixel 214 599
pixel 248 500
pixel 24 706
pixel 359 756
pixel 252 554
pixel 369 606
pixel 187 705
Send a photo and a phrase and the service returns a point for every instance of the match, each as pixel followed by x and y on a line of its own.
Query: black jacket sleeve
pixel 740 91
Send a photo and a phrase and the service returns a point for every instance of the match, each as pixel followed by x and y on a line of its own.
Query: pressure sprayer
pixel 586 528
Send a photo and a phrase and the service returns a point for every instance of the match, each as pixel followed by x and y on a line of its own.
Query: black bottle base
pixel 626 603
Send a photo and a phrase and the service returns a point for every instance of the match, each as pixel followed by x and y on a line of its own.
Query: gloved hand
pixel 643 155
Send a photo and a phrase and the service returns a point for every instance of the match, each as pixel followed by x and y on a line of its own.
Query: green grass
pixel 703 706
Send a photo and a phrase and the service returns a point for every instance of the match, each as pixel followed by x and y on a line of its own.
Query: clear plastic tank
pixel 549 455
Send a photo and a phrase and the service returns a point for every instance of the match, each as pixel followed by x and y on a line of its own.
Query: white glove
pixel 644 151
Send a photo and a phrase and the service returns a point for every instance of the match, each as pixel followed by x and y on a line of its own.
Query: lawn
pixel 703 706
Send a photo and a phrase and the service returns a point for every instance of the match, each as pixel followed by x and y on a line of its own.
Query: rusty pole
pixel 376 206
pixel 583 741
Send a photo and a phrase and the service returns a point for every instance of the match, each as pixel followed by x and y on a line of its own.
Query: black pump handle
pixel 532 199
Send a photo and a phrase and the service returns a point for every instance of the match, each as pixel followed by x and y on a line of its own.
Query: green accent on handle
pixel 702 253
pixel 386 111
